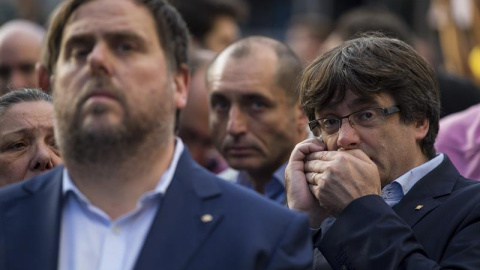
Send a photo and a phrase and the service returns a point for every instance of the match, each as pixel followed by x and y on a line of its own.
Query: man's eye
pixel 17 146
pixel 80 52
pixel 124 47
pixel 258 105
pixel 327 123
pixel 365 115
pixel 220 106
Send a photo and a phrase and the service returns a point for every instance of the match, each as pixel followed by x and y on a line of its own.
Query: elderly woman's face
pixel 27 145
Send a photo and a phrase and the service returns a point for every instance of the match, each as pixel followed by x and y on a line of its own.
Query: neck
pixel 115 186
pixel 260 179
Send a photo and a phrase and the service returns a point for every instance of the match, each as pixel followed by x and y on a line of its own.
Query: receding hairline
pixel 22 27
pixel 254 46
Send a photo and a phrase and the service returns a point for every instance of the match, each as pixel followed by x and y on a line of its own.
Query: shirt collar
pixel 161 188
pixel 410 178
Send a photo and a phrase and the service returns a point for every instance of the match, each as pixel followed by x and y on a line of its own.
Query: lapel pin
pixel 420 206
pixel 206 218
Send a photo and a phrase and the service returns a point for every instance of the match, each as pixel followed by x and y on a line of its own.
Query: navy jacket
pixel 435 226
pixel 246 232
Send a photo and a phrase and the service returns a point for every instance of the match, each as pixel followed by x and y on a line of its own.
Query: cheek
pixel 218 126
pixel 13 169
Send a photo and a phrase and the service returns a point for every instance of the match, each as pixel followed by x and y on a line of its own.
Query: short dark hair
pixel 289 66
pixel 200 15
pixel 22 95
pixel 171 30
pixel 370 65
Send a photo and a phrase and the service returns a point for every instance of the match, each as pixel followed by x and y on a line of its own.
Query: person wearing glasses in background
pixel 20 49
pixel 377 194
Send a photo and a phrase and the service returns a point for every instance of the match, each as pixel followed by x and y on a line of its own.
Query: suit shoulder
pixel 27 187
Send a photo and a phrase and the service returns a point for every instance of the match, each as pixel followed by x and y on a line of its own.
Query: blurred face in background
pixel 224 31
pixel 27 143
pixel 194 128
pixel 255 124
pixel 19 52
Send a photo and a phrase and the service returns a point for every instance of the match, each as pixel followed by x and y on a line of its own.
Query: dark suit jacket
pixel 246 232
pixel 435 226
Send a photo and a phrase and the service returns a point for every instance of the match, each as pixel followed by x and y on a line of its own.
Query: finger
pixel 311 178
pixel 318 162
pixel 305 148
pixel 357 153
pixel 321 155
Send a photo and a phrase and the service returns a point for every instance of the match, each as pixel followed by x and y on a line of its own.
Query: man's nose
pixel 348 137
pixel 99 59
pixel 237 121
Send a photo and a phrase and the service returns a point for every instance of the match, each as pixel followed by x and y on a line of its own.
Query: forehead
pixel 20 47
pixel 105 16
pixel 255 73
pixel 37 114
pixel 353 102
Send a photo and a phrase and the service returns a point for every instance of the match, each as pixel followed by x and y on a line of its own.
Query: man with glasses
pixel 377 194
pixel 20 49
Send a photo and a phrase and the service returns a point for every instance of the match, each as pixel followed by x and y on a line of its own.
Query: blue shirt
pixel 409 179
pixel 274 189
pixel 89 239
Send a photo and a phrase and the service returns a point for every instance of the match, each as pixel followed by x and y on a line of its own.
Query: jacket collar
pixel 427 193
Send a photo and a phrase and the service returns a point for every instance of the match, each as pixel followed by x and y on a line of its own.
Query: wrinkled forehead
pixel 108 13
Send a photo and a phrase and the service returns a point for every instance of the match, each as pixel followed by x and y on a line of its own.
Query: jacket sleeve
pixel 370 235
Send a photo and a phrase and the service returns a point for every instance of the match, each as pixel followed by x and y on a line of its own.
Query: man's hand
pixel 337 178
pixel 299 196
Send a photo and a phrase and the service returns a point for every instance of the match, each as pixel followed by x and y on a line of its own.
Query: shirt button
pixel 116 230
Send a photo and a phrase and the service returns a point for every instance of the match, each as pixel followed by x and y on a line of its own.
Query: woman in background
pixel 27 143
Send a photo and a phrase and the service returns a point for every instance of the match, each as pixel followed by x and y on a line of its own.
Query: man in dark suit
pixel 372 183
pixel 130 196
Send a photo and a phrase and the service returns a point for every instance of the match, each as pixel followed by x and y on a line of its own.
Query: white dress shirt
pixel 90 240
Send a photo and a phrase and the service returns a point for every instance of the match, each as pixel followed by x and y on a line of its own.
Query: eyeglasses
pixel 369 117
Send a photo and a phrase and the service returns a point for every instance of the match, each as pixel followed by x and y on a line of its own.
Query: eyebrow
pixel 85 38
pixel 364 100
pixel 357 102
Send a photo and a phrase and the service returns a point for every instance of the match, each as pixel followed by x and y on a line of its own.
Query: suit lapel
pixel 187 215
pixel 427 193
pixel 32 224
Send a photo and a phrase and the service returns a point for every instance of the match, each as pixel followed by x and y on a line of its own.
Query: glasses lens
pixel 330 126
pixel 368 117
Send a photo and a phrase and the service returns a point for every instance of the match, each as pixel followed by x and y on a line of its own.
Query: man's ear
pixel 181 81
pixel 421 128
pixel 43 77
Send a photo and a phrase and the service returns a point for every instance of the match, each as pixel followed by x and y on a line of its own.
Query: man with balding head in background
pixel 20 50
pixel 255 115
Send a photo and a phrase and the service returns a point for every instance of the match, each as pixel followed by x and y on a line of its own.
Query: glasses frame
pixel 385 110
